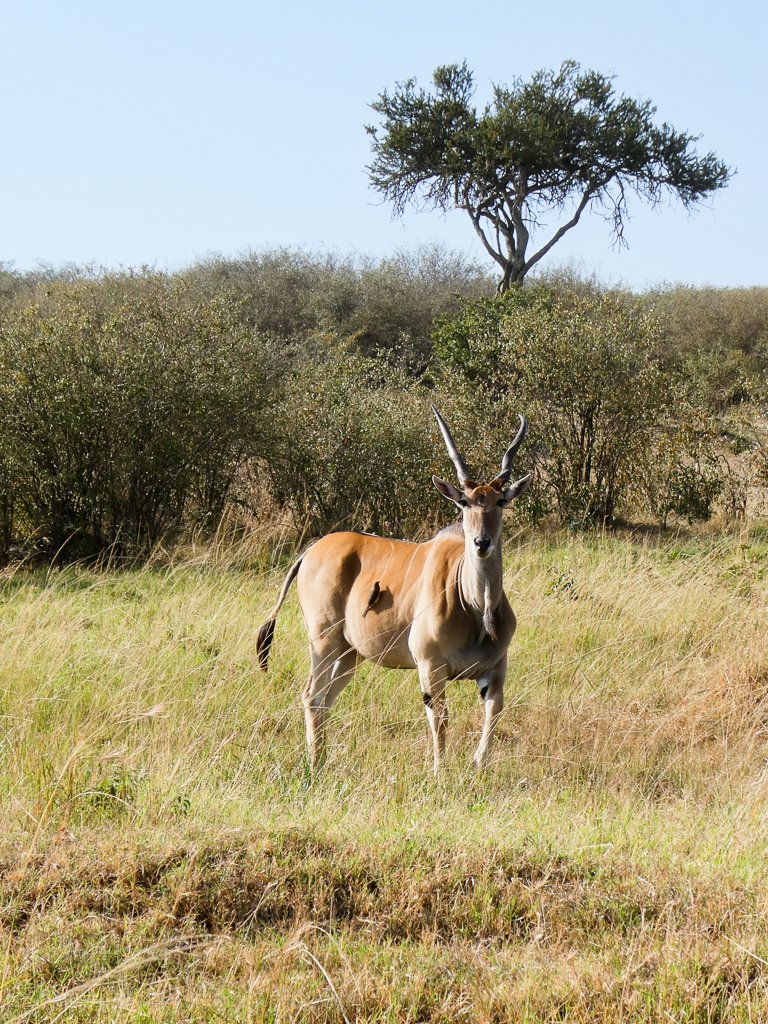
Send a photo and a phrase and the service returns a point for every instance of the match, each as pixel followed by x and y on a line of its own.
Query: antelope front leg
pixel 491 688
pixel 432 685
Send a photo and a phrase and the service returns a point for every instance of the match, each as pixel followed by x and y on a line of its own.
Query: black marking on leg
pixel 483 691
pixel 427 699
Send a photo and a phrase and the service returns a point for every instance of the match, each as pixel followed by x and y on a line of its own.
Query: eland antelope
pixel 438 606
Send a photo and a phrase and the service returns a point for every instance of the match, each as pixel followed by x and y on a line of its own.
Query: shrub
pixel 721 334
pixel 127 408
pixel 353 448
pixel 385 307
pixel 586 368
pixel 682 484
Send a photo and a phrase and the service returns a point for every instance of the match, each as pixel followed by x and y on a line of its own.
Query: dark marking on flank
pixel 427 699
pixel 483 691
pixel 373 597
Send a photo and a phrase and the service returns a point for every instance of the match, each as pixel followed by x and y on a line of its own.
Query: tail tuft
pixel 264 642
pixel 267 631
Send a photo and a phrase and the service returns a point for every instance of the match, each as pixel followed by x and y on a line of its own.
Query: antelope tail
pixel 267 631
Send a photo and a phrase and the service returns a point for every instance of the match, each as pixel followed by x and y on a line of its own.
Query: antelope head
pixel 481 505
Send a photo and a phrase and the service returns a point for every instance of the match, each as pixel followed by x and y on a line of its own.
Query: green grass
pixel 165 856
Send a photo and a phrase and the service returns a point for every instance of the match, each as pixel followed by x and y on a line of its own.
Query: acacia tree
pixel 548 148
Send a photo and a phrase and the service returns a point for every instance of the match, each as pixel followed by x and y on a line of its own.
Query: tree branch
pixel 585 200
pixel 475 218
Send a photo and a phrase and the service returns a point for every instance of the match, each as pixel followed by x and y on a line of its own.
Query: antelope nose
pixel 482 544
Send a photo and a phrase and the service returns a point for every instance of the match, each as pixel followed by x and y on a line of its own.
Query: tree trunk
pixel 513 277
pixel 6 526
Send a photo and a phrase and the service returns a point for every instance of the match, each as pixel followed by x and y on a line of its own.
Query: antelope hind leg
pixel 432 685
pixel 331 671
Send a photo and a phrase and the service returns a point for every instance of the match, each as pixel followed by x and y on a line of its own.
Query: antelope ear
pixel 448 490
pixel 517 488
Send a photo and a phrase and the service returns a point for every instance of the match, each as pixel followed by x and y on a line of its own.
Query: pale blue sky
pixel 158 133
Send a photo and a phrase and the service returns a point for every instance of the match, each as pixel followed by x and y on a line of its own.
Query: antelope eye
pixel 502 502
pixel 463 502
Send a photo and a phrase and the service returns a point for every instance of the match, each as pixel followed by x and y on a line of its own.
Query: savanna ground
pixel 165 857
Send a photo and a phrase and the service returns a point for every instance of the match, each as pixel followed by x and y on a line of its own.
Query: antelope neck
pixel 480 581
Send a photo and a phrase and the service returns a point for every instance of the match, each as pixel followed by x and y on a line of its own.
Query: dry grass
pixel 165 858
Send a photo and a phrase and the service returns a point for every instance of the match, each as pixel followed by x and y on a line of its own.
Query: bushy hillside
pixel 139 407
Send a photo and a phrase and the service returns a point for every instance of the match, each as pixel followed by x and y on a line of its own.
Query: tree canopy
pixel 541 150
